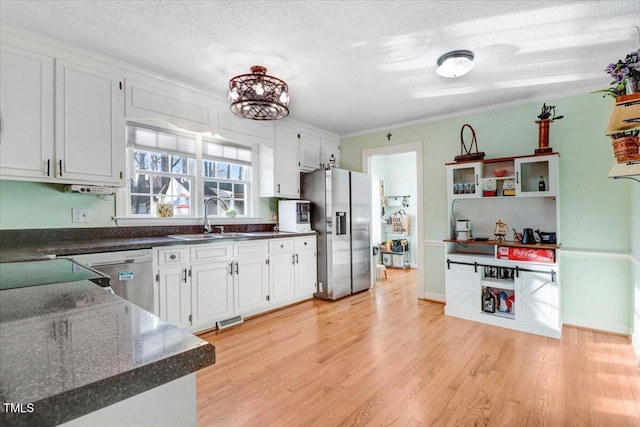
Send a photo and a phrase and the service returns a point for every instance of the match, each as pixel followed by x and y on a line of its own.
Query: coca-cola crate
pixel 527 254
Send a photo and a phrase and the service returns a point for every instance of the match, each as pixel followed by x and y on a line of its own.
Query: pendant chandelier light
pixel 258 96
pixel 455 64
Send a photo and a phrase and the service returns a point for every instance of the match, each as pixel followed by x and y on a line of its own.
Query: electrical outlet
pixel 81 215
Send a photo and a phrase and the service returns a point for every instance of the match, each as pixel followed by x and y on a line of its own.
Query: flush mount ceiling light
pixel 455 64
pixel 257 96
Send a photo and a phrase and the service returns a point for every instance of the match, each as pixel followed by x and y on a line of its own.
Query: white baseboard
pixel 599 325
pixel 434 297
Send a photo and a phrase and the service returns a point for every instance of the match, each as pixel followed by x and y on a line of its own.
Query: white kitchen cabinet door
pixel 531 171
pixel 462 287
pixel 306 273
pixel 281 277
pixel 175 295
pixel 211 292
pixel 539 299
pixel 250 283
pixel 286 170
pixel 328 148
pixel 90 128
pixel 463 180
pixel 27 88
pixel 309 152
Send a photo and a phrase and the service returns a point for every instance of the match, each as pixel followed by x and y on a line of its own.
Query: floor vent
pixel 227 323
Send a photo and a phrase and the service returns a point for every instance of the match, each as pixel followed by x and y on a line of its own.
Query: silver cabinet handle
pixel 237 268
pixel 172 256
pixel 184 275
pixel 293 259
pixel 517 177
pixel 297 259
pixel 278 188
pixel 231 269
pixel 60 167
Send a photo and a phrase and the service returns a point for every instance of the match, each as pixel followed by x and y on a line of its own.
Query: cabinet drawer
pixel 308 243
pixel 250 248
pixel 280 245
pixel 173 256
pixel 211 252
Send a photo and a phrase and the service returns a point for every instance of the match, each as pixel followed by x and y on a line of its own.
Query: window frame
pixel 123 196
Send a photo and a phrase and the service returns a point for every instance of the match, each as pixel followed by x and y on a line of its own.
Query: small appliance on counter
pixel 463 229
pixel 294 215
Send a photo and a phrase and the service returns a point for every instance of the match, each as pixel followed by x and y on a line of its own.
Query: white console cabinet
pixel 502 281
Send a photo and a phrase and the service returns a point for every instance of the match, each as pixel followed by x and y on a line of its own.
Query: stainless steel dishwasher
pixel 131 274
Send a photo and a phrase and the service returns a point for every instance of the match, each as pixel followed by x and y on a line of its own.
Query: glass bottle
pixel 488 301
pixel 541 184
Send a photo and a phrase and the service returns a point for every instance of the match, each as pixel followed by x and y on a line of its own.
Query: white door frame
pixel 415 147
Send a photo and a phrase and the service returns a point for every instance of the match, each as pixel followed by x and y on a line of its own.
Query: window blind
pixel 148 138
pixel 223 152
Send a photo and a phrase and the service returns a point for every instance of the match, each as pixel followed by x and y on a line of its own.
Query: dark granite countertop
pixel 73 348
pixel 14 250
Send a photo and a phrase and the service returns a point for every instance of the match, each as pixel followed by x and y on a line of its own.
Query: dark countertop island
pixel 72 348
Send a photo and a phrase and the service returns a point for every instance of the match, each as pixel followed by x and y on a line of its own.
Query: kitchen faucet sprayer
pixel 206 225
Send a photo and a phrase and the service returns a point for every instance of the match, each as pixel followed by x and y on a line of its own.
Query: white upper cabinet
pixel 536 176
pixel 26 88
pixel 309 152
pixel 328 148
pixel 90 144
pixel 463 180
pixel 87 143
pixel 279 173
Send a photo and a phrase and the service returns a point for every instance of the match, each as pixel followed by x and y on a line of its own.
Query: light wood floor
pixel 383 357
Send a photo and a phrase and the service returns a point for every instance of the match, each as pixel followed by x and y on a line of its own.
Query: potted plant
pixel 626 74
pixel 624 122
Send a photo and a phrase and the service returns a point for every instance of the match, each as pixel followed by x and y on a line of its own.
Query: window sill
pixel 150 220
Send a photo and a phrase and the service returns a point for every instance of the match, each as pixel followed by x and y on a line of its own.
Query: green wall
pixel 595 212
pixel 26 205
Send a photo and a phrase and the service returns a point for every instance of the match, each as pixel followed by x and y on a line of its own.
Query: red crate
pixel 527 254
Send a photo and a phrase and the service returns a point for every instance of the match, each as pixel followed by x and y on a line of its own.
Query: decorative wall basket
pixel 624 128
pixel 465 153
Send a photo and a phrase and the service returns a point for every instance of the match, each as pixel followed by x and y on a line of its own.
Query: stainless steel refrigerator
pixel 341 215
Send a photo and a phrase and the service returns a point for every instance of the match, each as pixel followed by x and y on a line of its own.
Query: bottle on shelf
pixel 488 301
pixel 542 186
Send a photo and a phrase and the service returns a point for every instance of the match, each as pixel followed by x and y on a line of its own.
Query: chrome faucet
pixel 207 226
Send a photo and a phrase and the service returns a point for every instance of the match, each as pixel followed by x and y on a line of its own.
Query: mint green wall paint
pixel 37 205
pixel 26 205
pixel 595 212
pixel 635 267
pixel 602 288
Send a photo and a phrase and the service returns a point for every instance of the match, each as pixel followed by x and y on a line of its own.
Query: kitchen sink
pixel 199 236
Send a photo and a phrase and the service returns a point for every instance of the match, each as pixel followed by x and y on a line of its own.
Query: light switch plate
pixel 81 215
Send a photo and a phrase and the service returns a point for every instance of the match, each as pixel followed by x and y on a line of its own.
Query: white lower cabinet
pixel 306 266
pixel 198 285
pixel 526 295
pixel 250 283
pixel 212 292
pixel 174 294
pixel 462 287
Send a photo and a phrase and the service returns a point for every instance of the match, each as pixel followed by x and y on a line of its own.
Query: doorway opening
pixel 397 226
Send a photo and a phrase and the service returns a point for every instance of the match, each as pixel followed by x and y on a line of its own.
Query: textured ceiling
pixel 354 65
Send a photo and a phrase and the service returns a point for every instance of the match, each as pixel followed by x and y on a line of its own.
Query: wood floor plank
pixel 384 358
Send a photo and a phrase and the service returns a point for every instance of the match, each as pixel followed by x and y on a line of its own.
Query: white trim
pixel 406 148
pixel 472 111
pixel 600 325
pixel 434 297
pixel 433 243
pixel 592 253
pixel 635 259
